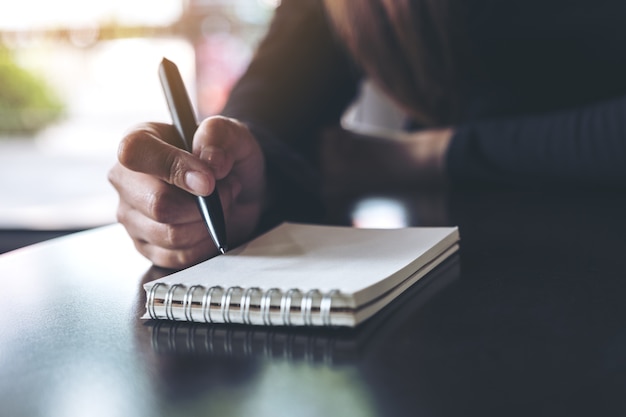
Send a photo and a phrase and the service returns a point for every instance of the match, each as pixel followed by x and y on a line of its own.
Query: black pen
pixel 184 119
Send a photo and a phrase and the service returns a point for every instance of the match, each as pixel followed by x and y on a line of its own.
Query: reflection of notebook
pixel 313 345
pixel 300 274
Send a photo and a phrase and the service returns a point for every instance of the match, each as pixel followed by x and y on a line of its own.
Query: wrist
pixel 429 148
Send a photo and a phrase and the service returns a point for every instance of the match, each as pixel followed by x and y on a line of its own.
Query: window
pixel 85 73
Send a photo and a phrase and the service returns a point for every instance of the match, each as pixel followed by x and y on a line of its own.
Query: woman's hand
pixel 154 179
pixel 383 161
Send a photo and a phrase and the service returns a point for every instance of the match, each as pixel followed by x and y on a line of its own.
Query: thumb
pixel 143 151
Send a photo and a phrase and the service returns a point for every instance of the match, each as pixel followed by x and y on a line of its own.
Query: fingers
pixel 165 235
pixel 154 179
pixel 231 149
pixel 151 149
pixel 170 259
pixel 223 142
pixel 163 221
pixel 155 199
pixel 168 245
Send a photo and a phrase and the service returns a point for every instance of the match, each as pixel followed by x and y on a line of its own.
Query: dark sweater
pixel 547 105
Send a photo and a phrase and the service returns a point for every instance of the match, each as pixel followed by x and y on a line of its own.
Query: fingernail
pixel 197 183
pixel 206 153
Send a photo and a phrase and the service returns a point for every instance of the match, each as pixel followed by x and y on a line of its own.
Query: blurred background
pixel 75 75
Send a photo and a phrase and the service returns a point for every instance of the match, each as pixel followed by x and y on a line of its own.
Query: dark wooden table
pixel 528 319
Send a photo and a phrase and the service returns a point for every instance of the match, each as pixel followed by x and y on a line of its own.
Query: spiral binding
pixel 266 303
pixel 210 295
pixel 150 300
pixel 307 307
pixel 206 303
pixel 187 300
pixel 285 306
pixel 325 306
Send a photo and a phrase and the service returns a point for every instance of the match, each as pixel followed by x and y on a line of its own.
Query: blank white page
pixel 361 263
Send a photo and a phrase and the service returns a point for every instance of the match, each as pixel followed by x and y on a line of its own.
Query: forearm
pixel 298 82
pixel 369 163
pixel 582 146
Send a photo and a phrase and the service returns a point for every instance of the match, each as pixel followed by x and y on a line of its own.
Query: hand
pixel 154 179
pixel 365 162
pixel 428 149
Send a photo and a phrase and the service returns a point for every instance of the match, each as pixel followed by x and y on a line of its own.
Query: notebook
pixel 303 275
pixel 334 345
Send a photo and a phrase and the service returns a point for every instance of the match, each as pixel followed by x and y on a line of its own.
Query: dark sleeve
pixel 582 146
pixel 299 81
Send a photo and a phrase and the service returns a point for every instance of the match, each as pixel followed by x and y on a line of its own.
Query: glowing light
pixel 383 213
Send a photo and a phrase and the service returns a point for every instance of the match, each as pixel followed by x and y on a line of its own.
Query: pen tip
pixel 222 250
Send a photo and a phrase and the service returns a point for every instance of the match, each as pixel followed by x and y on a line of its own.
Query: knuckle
pixel 112 178
pixel 223 125
pixel 172 259
pixel 115 176
pixel 124 215
pixel 129 151
pixel 177 169
pixel 218 121
pixel 121 215
pixel 173 237
pixel 187 258
pixel 159 207
pixel 223 122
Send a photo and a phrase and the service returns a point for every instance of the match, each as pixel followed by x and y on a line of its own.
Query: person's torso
pixel 535 56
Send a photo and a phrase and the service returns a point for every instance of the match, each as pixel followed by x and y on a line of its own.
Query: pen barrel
pixel 185 122
pixel 178 102
pixel 217 229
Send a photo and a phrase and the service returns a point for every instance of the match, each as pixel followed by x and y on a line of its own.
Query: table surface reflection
pixel 528 319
